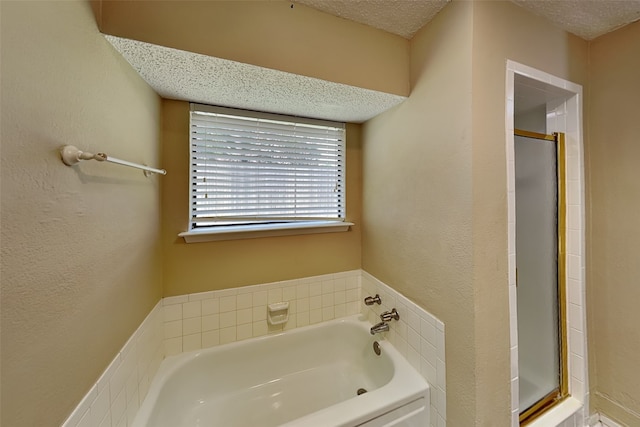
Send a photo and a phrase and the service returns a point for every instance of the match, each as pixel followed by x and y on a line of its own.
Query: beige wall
pixel 613 240
pixel 435 205
pixel 269 34
pixel 80 249
pixel 502 31
pixel 417 233
pixel 198 267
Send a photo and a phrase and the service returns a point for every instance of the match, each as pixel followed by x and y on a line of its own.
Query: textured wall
pixel 417 195
pixel 435 196
pixel 270 34
pixel 613 239
pixel 501 31
pixel 198 267
pixel 80 250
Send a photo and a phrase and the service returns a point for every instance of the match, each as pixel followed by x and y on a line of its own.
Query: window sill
pixel 261 230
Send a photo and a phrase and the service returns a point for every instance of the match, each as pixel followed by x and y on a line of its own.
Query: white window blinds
pixel 257 168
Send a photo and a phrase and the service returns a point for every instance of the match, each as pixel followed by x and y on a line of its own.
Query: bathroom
pixel 426 186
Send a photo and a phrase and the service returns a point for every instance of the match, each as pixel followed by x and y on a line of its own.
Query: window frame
pixel 283 226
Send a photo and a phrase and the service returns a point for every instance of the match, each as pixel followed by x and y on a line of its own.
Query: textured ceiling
pixel 585 18
pixel 176 74
pixel 401 17
pixel 187 76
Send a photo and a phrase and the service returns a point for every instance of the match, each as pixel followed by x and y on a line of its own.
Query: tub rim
pixel 405 386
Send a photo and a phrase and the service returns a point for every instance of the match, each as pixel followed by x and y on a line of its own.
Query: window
pixel 250 169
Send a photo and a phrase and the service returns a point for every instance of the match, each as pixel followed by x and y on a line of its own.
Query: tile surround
pixel 194 321
pixel 418 336
pixel 207 319
pixel 562 116
pixel 115 398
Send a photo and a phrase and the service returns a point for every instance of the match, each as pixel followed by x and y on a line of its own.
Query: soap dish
pixel 278 313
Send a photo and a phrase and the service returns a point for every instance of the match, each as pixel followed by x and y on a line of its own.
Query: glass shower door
pixel 539 269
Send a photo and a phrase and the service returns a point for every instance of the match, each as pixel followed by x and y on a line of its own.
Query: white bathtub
pixel 306 377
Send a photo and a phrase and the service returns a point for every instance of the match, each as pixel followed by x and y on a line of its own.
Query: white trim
pixel 566 117
pixel 608 422
pixel 264 230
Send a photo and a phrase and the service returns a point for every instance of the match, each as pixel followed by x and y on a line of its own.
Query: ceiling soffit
pixel 187 76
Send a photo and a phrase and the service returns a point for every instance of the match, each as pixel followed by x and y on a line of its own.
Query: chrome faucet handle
pixel 389 315
pixel 372 300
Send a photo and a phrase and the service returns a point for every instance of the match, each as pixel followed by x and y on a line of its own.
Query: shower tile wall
pixel 559 119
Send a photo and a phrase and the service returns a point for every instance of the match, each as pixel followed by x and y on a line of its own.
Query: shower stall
pixel 540 266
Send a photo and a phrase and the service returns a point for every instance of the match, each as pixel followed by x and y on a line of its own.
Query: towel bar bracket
pixel 71 155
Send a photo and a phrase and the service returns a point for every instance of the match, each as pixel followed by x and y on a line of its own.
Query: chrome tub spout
pixel 379 327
